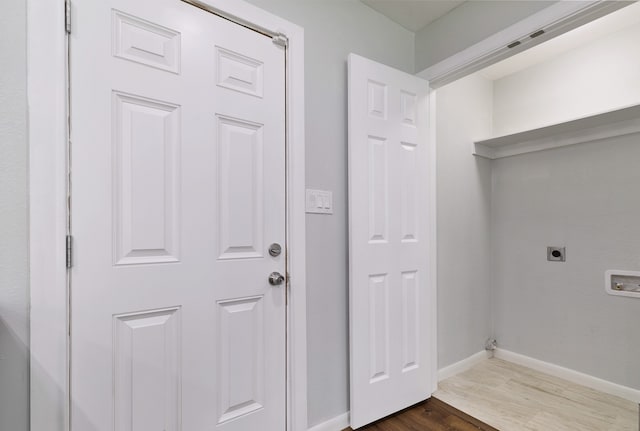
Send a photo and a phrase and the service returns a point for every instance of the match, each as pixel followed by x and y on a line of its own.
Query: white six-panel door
pixel 391 288
pixel 178 190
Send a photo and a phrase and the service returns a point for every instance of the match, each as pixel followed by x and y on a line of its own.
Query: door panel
pixel 176 114
pixel 389 245
pixel 145 178
pixel 241 370
pixel 147 370
pixel 240 162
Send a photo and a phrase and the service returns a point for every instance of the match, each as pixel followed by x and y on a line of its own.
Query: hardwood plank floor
pixel 430 415
pixel 515 398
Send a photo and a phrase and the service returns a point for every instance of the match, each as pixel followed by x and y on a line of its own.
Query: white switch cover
pixel 319 202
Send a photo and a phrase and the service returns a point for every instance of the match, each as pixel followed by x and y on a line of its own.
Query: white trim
pixel 47 131
pixel 570 375
pixel 336 424
pixel 556 19
pixel 595 127
pixel 433 232
pixel 463 365
pixel 47 100
pixel 296 242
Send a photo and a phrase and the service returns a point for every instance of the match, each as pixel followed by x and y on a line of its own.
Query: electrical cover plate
pixel 319 202
pixel 556 254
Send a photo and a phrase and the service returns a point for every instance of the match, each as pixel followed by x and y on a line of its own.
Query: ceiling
pixel 413 14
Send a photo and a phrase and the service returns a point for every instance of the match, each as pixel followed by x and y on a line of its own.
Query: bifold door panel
pixel 389 241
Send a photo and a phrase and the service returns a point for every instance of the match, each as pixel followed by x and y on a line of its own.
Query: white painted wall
pixel 464 197
pixel 14 338
pixel 584 197
pixel 467 25
pixel 333 29
pixel 599 76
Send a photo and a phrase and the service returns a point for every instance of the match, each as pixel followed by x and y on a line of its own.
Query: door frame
pixel 47 94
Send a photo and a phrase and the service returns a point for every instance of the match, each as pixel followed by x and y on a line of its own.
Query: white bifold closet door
pixel 392 341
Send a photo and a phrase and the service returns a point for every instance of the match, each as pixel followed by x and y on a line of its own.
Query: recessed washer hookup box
pixel 622 283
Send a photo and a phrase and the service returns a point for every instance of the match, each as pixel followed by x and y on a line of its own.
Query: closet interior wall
pixel 463 110
pixel 582 197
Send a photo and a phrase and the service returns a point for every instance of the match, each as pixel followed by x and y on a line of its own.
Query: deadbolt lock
pixel 275 249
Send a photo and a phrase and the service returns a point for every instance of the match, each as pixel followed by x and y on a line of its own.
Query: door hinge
pixel 281 40
pixel 69 244
pixel 67 16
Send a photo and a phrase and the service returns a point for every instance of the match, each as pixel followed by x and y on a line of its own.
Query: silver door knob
pixel 276 279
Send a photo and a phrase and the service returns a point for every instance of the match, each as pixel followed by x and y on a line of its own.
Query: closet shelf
pixel 619 122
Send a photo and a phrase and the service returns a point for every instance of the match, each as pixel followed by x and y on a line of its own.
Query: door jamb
pixel 47 59
pixel 47 105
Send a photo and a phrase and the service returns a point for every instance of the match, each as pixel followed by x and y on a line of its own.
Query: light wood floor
pixel 513 398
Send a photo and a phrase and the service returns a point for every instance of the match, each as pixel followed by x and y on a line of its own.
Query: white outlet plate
pixel 319 202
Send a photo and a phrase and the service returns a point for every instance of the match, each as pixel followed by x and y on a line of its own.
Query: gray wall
pixel 14 366
pixel 493 275
pixel 467 25
pixel 584 197
pixel 464 192
pixel 333 29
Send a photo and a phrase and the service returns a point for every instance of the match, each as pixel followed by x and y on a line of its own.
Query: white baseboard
pixel 570 375
pixel 336 424
pixel 464 365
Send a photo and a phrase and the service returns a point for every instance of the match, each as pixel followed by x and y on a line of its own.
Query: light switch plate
pixel 319 202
